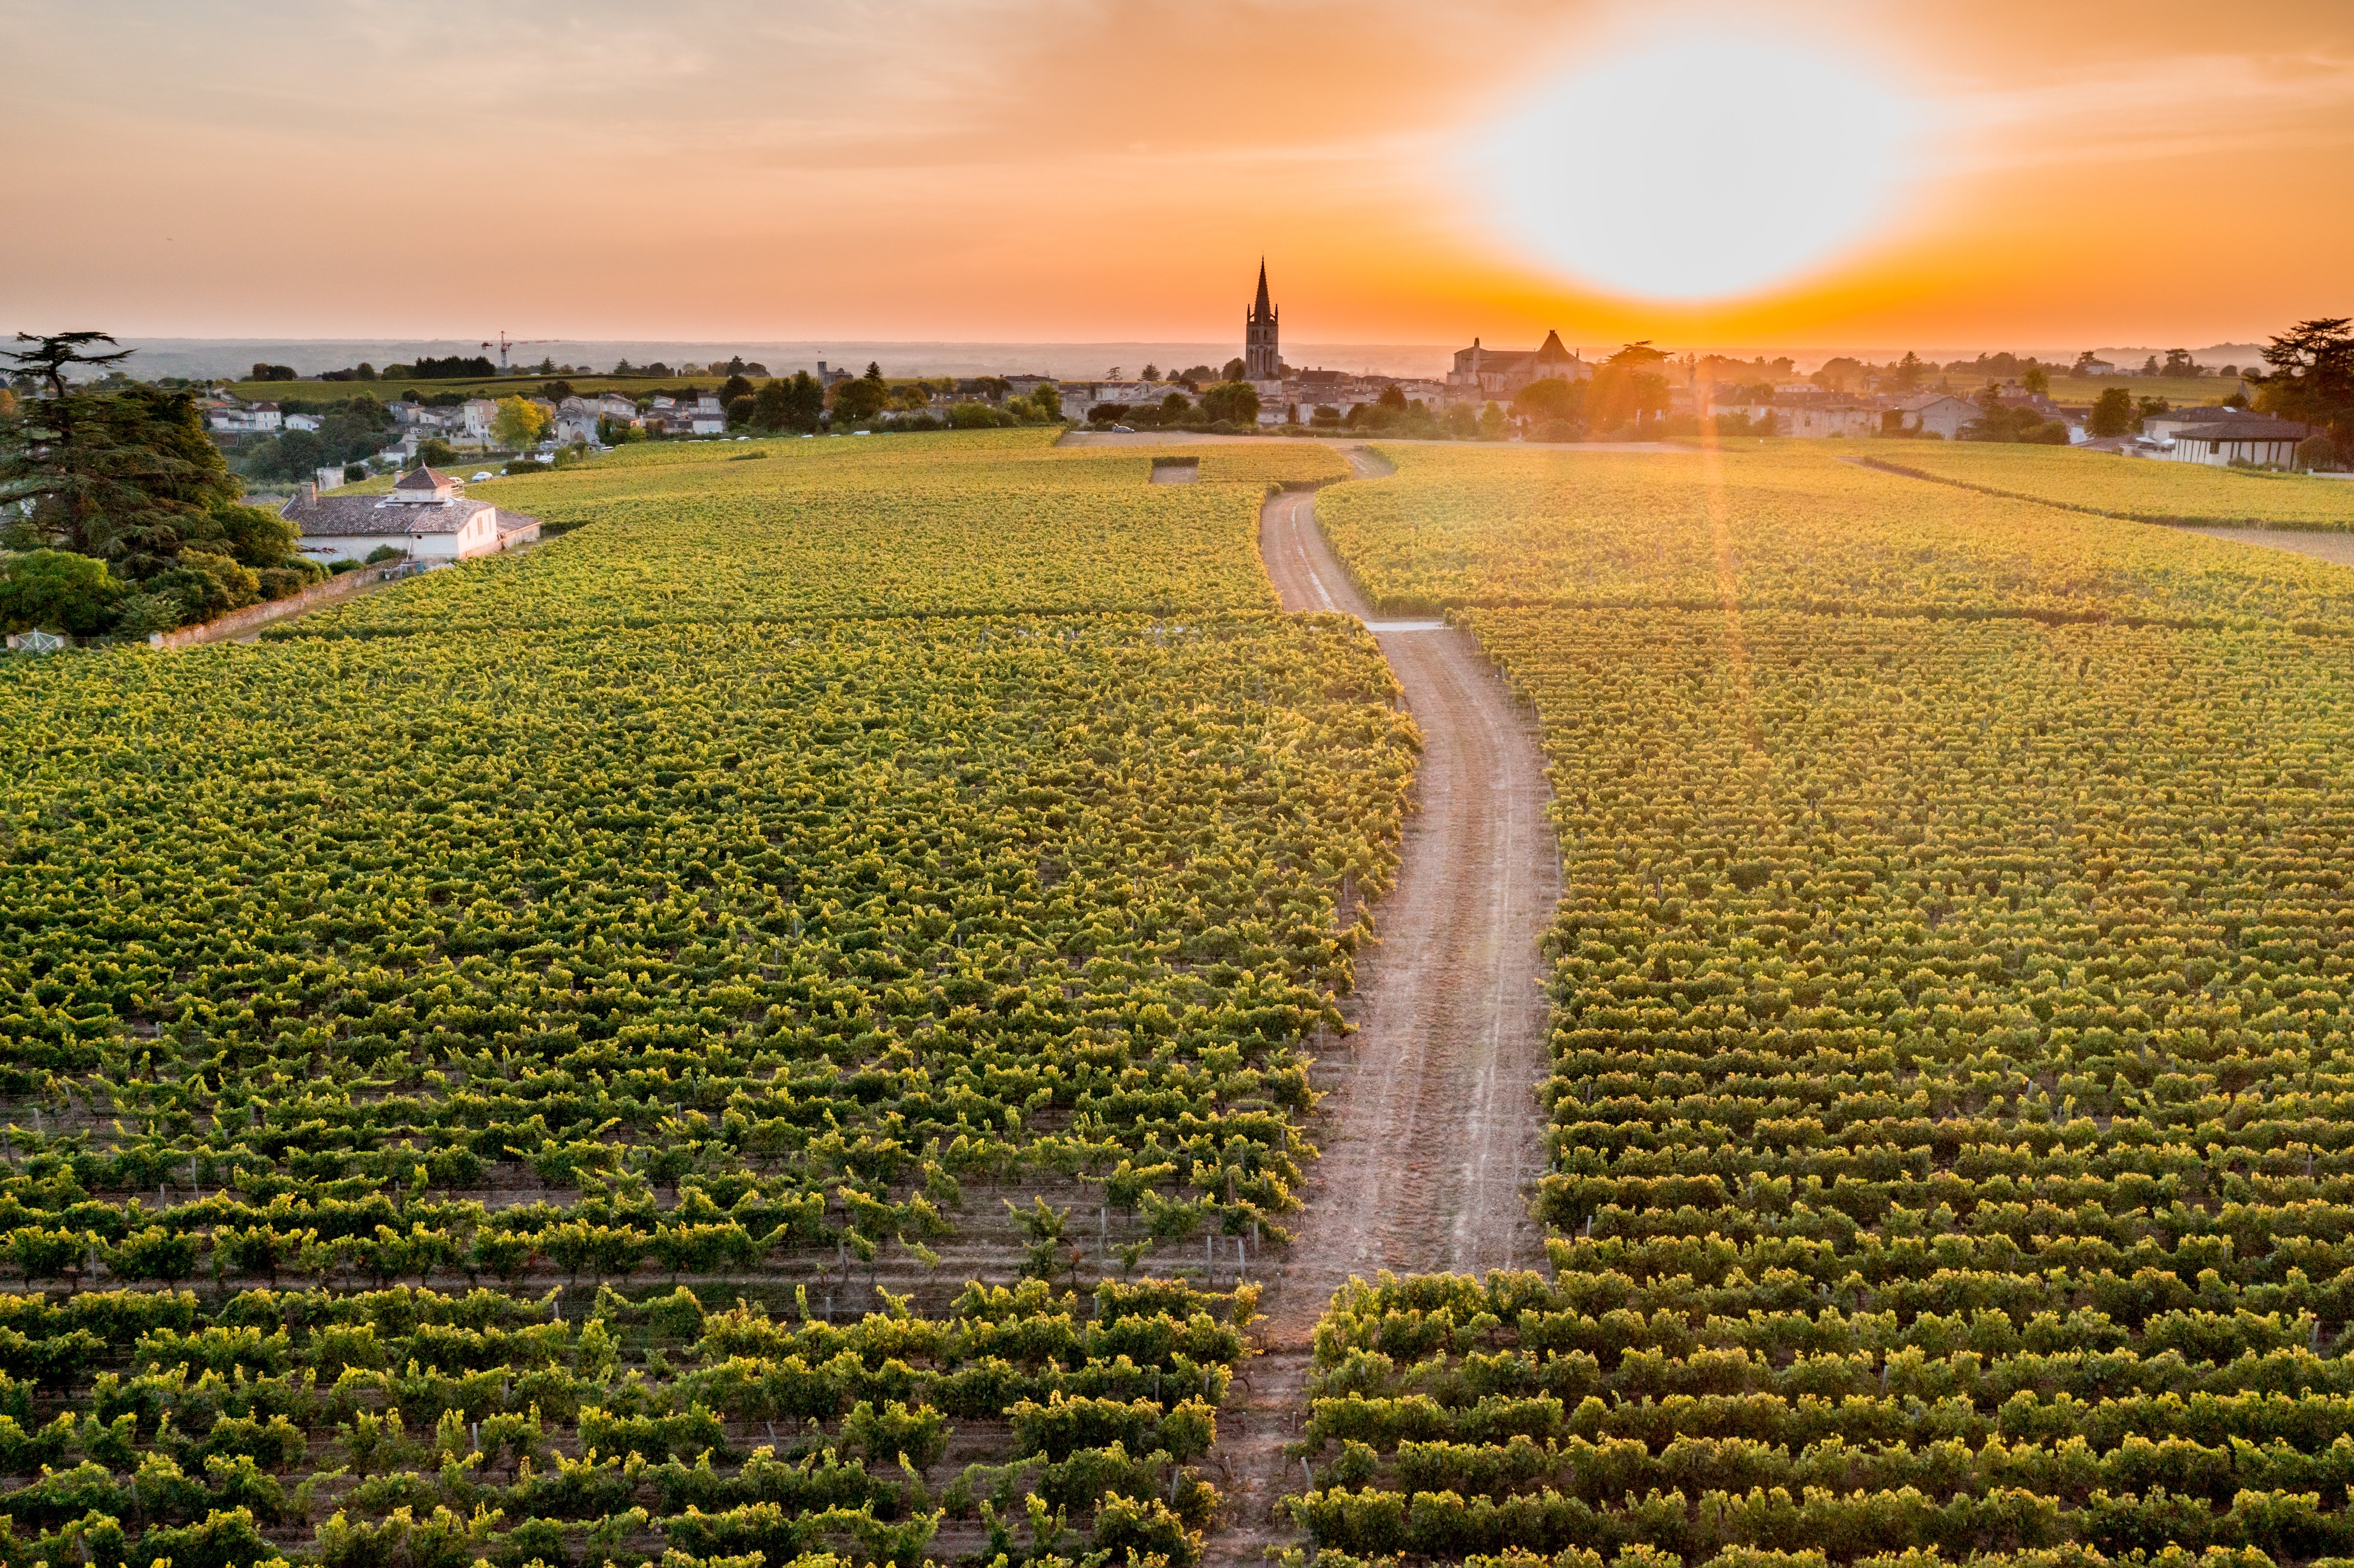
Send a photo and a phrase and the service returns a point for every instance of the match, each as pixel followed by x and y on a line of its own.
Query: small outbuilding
pixel 426 517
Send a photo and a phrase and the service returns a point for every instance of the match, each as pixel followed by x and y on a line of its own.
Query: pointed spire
pixel 1262 310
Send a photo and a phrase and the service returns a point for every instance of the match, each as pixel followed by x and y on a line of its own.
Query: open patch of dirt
pixel 1431 1133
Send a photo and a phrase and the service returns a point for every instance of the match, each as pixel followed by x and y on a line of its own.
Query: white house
pixel 426 517
pixel 303 421
pixel 614 406
pixel 251 419
pixel 1937 412
pixel 2259 441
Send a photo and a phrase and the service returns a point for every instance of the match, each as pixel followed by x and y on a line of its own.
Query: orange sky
pixel 2153 173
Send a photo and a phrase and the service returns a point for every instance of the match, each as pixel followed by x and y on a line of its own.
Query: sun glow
pixel 1701 167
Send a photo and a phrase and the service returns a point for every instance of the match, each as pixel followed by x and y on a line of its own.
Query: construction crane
pixel 506 343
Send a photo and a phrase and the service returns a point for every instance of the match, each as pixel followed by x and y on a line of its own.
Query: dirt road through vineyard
pixel 1431 1134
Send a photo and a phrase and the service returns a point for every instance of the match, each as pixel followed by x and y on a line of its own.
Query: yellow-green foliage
pixel 997 521
pixel 2143 489
pixel 1953 1038
pixel 1954 1024
pixel 1789 527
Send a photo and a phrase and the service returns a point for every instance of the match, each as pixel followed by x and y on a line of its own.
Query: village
pixel 1549 394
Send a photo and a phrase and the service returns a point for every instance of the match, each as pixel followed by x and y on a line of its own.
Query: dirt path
pixel 2337 548
pixel 1431 1132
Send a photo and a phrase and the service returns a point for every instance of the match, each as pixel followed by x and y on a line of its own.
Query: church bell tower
pixel 1261 359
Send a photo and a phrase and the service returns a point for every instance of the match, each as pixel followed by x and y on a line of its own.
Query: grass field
pixel 2140 488
pixel 2181 391
pixel 1952 1022
pixel 390 1024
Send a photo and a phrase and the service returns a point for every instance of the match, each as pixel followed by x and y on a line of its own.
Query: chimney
pixel 308 494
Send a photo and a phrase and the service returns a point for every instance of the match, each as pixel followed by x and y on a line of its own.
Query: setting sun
pixel 1681 167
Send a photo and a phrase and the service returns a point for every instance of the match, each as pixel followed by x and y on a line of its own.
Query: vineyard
pixel 403 1427
pixel 2144 489
pixel 1952 1023
pixel 395 1020
pixel 995 522
pixel 1785 527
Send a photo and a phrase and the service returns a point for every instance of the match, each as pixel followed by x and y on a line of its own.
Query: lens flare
pixel 1697 168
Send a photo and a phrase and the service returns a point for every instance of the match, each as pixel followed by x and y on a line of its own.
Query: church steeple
pixel 1262 360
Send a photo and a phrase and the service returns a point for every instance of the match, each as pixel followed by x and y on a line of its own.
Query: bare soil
pixel 2337 548
pixel 1431 1132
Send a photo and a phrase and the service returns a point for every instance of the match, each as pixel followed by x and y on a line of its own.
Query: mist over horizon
pixel 195 358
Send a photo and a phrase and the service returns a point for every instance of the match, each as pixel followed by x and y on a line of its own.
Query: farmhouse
pixel 2258 440
pixel 426 517
pixel 2163 427
pixel 1937 413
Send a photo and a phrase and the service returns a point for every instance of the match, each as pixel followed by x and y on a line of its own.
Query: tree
pixel 735 386
pixel 2316 452
pixel 2179 363
pixel 555 391
pixel 1625 389
pixel 1998 421
pixel 2150 366
pixel 127 476
pixel 256 537
pixel 1235 368
pixel 1491 423
pixel 366 372
pixel 57 591
pixel 861 399
pixel 1909 371
pixel 2036 379
pixel 1151 373
pixel 873 371
pixel 794 404
pixel 1175 407
pixel 2312 378
pixel 2113 413
pixel 1546 400
pixel 519 423
pixel 435 452
pixel 1232 400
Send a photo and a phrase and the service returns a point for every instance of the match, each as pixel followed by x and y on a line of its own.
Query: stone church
pixel 1262 361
